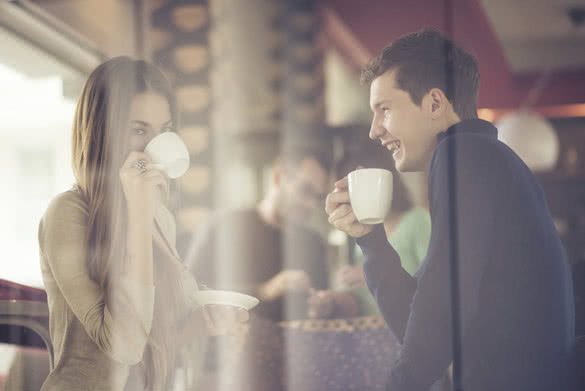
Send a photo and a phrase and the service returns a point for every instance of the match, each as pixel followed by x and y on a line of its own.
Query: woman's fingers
pixel 209 321
pixel 242 315
pixel 223 319
pixel 134 157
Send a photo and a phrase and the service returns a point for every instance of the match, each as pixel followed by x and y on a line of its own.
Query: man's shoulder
pixel 475 152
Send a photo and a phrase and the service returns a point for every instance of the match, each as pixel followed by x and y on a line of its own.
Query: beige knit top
pixel 97 343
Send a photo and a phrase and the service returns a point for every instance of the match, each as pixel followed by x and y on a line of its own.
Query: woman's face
pixel 149 116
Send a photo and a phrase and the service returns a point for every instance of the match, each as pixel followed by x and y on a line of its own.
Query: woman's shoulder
pixel 65 220
pixel 69 203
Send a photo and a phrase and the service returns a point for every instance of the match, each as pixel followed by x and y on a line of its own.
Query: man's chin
pixel 401 165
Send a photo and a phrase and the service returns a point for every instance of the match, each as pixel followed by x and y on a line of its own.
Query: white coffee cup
pixel 370 194
pixel 169 154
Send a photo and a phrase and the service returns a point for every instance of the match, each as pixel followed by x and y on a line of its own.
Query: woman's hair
pixel 361 151
pixel 99 144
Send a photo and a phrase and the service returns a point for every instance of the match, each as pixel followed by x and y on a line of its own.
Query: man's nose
pixel 376 130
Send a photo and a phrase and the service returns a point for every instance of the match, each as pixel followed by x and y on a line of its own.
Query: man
pixel 516 306
pixel 268 251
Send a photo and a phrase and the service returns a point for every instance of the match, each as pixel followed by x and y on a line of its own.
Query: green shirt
pixel 410 239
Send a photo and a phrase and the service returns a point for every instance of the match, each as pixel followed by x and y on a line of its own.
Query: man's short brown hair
pixel 428 59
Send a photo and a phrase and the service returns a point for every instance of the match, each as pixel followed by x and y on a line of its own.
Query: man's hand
pixel 341 214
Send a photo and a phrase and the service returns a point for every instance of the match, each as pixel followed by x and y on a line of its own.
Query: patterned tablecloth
pixel 317 355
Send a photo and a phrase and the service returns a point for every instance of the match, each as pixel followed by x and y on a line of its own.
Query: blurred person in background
pixel 269 251
pixel 121 302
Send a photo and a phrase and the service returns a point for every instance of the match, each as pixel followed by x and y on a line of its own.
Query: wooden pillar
pixel 179 44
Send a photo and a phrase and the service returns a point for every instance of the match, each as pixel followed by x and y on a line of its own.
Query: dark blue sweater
pixel 516 294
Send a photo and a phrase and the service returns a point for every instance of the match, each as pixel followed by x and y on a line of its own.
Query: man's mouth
pixel 393 146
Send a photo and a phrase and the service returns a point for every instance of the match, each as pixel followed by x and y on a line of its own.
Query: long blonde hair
pixel 99 145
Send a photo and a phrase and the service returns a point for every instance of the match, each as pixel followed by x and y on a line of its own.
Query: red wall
pixel 375 23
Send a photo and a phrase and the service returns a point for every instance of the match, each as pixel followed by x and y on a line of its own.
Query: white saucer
pixel 235 299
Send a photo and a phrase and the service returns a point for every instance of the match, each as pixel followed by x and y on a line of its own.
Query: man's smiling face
pixel 402 126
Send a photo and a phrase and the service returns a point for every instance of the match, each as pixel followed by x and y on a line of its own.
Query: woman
pixel 119 297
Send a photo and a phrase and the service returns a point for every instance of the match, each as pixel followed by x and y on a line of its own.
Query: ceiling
pixel 515 41
pixel 537 35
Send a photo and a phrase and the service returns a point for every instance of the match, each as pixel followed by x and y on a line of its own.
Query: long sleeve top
pixel 516 299
pixel 97 340
pixel 410 239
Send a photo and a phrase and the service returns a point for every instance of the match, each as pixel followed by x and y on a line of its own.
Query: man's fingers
pixel 345 223
pixel 344 219
pixel 334 199
pixel 341 211
pixel 342 183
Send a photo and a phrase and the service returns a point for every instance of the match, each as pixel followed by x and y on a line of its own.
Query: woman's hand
pixel 223 319
pixel 212 320
pixel 139 180
pixel 351 276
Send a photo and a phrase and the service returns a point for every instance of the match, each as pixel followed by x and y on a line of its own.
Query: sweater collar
pixel 475 125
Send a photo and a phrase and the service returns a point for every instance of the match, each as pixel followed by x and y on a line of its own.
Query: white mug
pixel 169 154
pixel 370 194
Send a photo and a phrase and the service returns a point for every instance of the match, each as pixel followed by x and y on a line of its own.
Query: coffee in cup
pixel 370 194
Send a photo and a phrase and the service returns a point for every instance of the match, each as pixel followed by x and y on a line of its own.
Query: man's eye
pixel 386 111
pixel 167 129
pixel 139 131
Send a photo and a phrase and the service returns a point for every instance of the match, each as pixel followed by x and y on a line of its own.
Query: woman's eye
pixel 167 129
pixel 139 131
pixel 386 111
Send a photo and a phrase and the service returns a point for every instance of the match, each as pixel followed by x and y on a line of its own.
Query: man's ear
pixel 436 102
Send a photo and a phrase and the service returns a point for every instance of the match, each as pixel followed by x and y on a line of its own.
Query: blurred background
pixel 253 76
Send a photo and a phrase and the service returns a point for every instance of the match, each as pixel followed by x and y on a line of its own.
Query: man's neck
pixel 452 120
